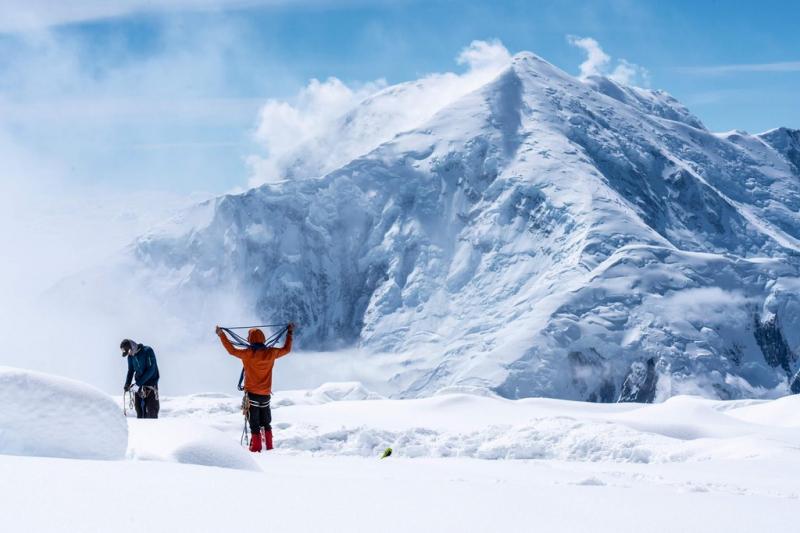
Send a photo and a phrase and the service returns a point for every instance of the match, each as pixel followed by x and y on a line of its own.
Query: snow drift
pixel 540 235
pixel 188 442
pixel 44 415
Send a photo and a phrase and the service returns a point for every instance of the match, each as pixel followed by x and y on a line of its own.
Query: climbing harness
pixel 247 403
pixel 144 392
pixel 130 396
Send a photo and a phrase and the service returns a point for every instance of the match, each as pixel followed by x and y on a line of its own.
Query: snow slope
pixel 537 236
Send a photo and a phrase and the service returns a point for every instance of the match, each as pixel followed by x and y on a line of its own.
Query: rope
pixel 240 342
pixel 261 326
pixel 236 339
pixel 246 413
pixel 127 404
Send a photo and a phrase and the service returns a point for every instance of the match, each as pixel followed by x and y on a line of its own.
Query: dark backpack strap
pixel 240 386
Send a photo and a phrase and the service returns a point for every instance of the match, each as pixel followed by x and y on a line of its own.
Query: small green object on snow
pixel 386 453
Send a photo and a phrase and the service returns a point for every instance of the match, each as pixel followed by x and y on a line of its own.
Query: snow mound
pixel 338 392
pixel 187 442
pixel 50 416
pixel 784 412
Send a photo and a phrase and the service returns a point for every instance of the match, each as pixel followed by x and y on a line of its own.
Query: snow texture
pixel 332 420
pixel 50 416
pixel 537 236
pixel 187 442
pixel 458 458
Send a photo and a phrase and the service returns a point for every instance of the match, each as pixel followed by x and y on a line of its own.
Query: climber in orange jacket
pixel 258 361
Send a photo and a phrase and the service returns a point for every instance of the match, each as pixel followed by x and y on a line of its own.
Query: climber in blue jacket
pixel 143 367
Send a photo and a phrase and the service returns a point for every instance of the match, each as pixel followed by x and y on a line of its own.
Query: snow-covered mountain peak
pixel 530 64
pixel 522 231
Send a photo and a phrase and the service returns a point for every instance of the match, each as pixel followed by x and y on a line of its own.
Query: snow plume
pixel 598 63
pixel 596 59
pixel 484 55
pixel 283 126
pixel 629 73
pixel 329 123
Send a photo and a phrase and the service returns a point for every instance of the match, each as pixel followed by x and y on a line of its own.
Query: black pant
pixel 146 402
pixel 260 413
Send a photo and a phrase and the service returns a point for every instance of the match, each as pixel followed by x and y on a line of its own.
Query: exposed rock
pixel 640 384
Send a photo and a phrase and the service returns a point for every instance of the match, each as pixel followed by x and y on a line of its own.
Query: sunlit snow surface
pixel 460 463
pixel 345 419
pixel 539 236
pixel 51 416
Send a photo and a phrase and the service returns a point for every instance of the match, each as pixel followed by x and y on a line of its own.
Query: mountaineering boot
pixel 268 438
pixel 255 442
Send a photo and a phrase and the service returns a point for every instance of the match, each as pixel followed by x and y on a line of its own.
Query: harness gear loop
pixel 246 413
pixel 144 392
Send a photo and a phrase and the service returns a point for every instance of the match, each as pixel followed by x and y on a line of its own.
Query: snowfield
pixel 460 462
pixel 681 430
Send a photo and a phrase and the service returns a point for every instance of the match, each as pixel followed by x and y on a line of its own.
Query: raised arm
pixel 230 348
pixel 287 346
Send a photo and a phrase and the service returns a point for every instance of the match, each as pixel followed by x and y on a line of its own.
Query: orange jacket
pixel 257 363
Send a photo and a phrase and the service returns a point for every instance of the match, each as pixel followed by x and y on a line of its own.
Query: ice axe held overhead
pixel 258 355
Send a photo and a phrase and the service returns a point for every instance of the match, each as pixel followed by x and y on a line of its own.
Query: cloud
pixel 92 100
pixel 629 73
pixel 329 123
pixel 484 55
pixel 596 59
pixel 712 70
pixel 30 15
pixel 283 125
pixel 598 63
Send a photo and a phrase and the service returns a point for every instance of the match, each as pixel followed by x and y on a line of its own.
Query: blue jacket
pixel 143 366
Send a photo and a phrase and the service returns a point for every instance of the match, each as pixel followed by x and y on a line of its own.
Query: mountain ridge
pixel 539 235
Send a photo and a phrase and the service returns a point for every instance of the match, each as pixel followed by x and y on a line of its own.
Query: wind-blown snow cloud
pixel 598 63
pixel 282 125
pixel 484 55
pixel 596 59
pixel 307 136
pixel 26 15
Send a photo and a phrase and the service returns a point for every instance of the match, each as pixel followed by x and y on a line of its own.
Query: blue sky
pixel 118 95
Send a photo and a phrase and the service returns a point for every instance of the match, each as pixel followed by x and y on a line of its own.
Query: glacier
pixel 537 235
